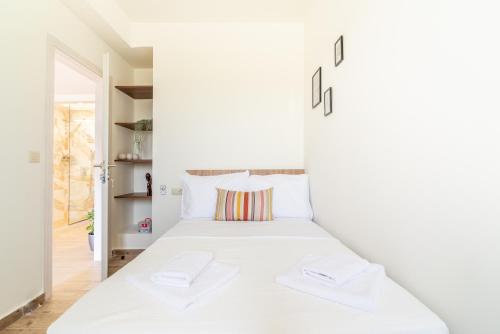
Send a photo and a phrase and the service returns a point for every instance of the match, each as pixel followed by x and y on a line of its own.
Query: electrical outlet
pixel 176 191
pixel 163 189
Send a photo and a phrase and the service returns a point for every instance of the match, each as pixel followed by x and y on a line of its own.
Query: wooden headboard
pixel 211 172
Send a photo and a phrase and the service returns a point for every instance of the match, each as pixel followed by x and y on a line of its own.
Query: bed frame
pixel 213 172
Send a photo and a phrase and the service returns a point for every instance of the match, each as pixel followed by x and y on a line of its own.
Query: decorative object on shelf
pixel 316 88
pixel 339 51
pixel 90 228
pixel 327 101
pixel 138 139
pixel 145 226
pixel 144 125
pixel 132 157
pixel 150 188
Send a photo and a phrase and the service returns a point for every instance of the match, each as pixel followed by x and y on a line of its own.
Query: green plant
pixel 144 125
pixel 90 219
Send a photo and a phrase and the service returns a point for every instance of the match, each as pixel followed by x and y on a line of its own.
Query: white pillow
pixel 290 194
pixel 199 193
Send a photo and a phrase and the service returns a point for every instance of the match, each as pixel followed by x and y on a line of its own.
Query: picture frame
pixel 328 102
pixel 316 88
pixel 339 51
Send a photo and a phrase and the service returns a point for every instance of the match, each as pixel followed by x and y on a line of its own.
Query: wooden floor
pixel 74 274
pixel 71 255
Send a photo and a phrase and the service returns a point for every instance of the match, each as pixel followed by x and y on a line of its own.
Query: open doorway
pixel 73 175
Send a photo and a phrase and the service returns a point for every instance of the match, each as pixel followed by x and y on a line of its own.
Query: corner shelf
pixel 130 126
pixel 137 92
pixel 135 240
pixel 138 161
pixel 134 196
pixel 132 229
pixel 126 235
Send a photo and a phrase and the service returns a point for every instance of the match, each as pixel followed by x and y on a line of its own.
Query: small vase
pixel 137 148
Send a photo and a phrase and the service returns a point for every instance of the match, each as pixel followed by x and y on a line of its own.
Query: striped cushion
pixel 244 206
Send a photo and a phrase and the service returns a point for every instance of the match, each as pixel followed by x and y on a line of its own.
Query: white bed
pixel 252 302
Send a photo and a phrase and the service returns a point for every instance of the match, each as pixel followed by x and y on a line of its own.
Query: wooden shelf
pixel 134 196
pixel 138 161
pixel 137 92
pixel 130 126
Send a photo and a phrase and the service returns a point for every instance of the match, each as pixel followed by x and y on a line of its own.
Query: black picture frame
pixel 316 88
pixel 339 51
pixel 328 102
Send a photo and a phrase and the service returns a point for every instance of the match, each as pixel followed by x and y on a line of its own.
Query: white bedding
pixel 252 302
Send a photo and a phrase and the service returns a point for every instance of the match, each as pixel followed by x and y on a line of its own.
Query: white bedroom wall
pixel 227 95
pixel 24 29
pixel 406 169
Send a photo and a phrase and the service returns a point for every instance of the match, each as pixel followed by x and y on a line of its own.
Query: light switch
pixel 34 157
pixel 176 191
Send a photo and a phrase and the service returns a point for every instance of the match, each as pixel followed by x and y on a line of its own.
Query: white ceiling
pixel 213 10
pixel 112 19
pixel 86 10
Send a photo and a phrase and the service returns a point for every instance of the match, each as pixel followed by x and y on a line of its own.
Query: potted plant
pixel 90 228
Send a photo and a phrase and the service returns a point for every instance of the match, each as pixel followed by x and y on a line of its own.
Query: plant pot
pixel 91 242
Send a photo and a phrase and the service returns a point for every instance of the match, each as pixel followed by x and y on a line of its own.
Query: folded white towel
pixel 182 269
pixel 361 292
pixel 335 269
pixel 212 278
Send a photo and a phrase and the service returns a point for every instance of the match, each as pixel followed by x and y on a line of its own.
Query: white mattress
pixel 251 303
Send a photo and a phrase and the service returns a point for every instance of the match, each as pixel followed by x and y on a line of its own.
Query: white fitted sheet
pixel 253 302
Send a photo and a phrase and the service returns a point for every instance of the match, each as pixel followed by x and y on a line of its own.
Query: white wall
pixel 406 169
pixel 24 27
pixel 222 94
pixel 71 85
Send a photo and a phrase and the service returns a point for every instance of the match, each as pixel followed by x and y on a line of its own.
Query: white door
pixel 102 164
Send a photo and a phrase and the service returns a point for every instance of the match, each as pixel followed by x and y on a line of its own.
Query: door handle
pixel 104 171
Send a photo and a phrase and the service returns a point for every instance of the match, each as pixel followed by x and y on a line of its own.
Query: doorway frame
pixel 89 69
